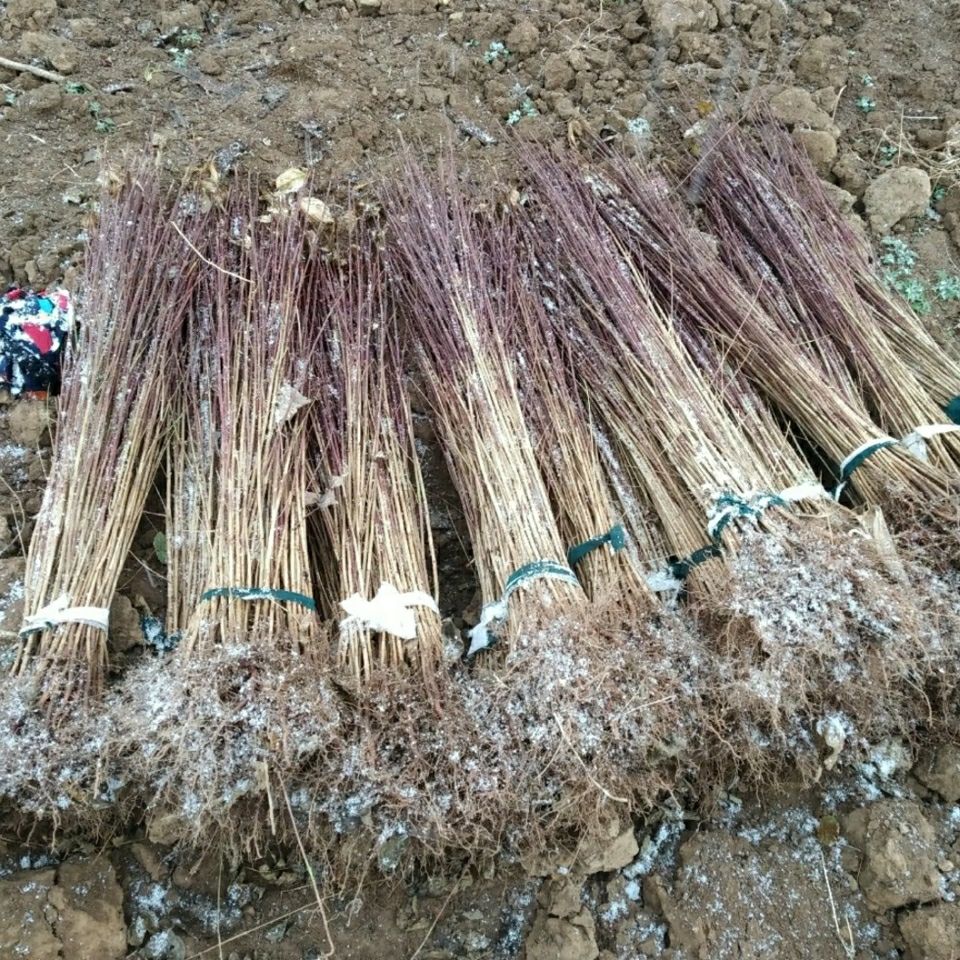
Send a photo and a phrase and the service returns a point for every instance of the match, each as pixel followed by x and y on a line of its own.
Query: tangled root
pixel 842 629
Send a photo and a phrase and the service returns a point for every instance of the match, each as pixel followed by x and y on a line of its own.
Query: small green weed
pixel 947 286
pixel 866 104
pixel 526 111
pixel 496 51
pixel 900 260
pixel 101 124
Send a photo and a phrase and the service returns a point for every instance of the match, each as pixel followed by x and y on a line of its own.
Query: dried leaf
pixel 289 401
pixel 316 211
pixel 291 180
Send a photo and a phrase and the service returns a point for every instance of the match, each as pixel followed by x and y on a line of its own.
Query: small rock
pixel 932 933
pixel 166 829
pixel 209 63
pixel 187 16
pixel 796 108
pixel 669 17
pixel 940 770
pixel 839 198
pixel 125 630
pixel 553 938
pixel 561 897
pixel 823 62
pixel 368 8
pixel 601 856
pixel 28 421
pixel 12 571
pixel 90 904
pixel 9 542
pixel 44 99
pixel 820 146
pixel 59 53
pixel 35 13
pixel 848 17
pixel 410 7
pixel 148 859
pixel 557 73
pixel 524 38
pixel 24 930
pixel 896 195
pixel 851 173
pixel 899 854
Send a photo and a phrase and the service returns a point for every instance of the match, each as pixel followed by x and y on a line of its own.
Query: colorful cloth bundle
pixel 33 327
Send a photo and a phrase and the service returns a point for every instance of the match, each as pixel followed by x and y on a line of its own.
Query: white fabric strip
pixel 59 611
pixel 390 611
pixel 916 442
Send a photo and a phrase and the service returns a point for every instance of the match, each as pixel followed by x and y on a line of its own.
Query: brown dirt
pixel 336 87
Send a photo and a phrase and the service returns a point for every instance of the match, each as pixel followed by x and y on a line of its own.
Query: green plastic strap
pixel 865 452
pixel 952 409
pixel 729 506
pixel 480 636
pixel 615 536
pixel 680 569
pixel 535 570
pixel 260 593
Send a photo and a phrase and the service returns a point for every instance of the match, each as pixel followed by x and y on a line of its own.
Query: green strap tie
pixel 615 536
pixel 952 409
pixel 480 637
pixel 729 506
pixel 260 593
pixel 680 569
pixel 862 454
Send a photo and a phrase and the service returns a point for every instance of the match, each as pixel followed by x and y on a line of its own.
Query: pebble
pixel 896 195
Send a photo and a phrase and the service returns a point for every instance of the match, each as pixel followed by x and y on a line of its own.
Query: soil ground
pixel 868 866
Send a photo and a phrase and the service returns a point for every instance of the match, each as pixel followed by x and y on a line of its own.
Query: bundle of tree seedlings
pixel 118 379
pixel 860 459
pixel 456 298
pixel 789 244
pixel 242 704
pixel 584 711
pixel 591 509
pixel 378 551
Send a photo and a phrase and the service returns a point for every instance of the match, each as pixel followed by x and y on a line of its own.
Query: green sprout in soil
pixel 937 194
pixel 496 51
pixel 888 153
pixel 866 105
pixel 639 127
pixel 186 41
pixel 76 88
pixel 10 98
pixel 867 80
pixel 526 111
pixel 101 124
pixel 898 255
pixel 899 261
pixel 947 286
